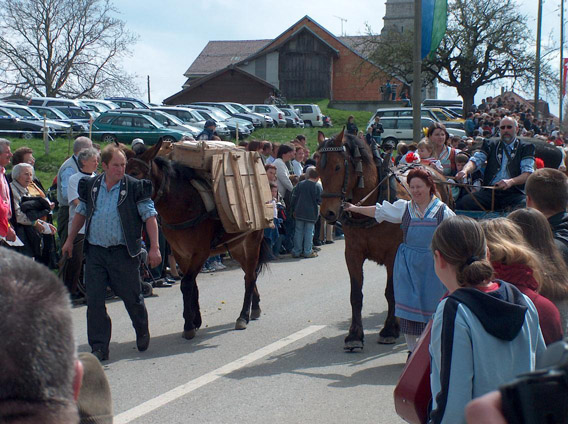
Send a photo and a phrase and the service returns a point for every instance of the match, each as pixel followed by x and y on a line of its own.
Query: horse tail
pixel 264 256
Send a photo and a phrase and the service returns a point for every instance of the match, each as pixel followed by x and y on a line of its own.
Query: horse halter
pixel 323 161
pixel 156 194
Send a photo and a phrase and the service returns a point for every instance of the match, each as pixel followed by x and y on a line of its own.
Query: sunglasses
pixel 506 126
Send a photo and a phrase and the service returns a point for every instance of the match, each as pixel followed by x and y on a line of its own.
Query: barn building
pixel 305 61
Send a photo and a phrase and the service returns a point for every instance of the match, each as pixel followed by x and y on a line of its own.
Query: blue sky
pixel 172 33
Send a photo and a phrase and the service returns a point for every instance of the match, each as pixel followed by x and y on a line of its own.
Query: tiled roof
pixel 359 43
pixel 220 54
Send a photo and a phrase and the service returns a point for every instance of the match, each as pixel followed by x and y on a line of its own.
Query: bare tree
pixel 486 41
pixel 68 48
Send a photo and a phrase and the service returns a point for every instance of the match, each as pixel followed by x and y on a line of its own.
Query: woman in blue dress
pixel 417 289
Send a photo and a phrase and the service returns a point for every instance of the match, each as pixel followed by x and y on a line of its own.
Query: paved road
pixel 287 367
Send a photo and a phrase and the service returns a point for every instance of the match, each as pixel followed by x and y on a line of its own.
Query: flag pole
pixel 417 79
pixel 561 62
pixel 537 65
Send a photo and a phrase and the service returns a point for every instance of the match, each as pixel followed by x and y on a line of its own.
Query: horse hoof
pixel 352 345
pixel 255 313
pixel 386 340
pixel 189 334
pixel 241 324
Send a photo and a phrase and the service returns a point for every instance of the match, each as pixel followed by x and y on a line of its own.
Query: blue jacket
pixel 479 342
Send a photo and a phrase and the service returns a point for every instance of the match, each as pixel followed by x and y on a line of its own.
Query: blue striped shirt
pixel 105 228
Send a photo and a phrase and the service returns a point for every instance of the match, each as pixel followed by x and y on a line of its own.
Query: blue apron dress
pixel 417 288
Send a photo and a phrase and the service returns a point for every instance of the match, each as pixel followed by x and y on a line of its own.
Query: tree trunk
pixel 467 96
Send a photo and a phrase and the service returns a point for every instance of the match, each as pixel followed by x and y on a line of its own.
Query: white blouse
pixel 283 177
pixel 393 212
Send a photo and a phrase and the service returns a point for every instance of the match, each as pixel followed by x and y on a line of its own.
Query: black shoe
pixel 317 249
pixel 317 243
pixel 329 242
pixel 100 355
pixel 142 342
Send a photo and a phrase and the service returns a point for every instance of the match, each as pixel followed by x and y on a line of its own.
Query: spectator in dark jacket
pixel 351 126
pixel 306 199
pixel 547 191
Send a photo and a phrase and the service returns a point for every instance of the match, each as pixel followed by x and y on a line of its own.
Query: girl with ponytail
pixel 484 333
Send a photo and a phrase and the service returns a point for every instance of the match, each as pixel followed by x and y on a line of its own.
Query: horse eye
pixel 337 168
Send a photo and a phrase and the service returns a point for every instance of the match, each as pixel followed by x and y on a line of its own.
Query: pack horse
pixel 194 234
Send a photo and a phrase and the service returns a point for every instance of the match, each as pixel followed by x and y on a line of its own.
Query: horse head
pixel 140 167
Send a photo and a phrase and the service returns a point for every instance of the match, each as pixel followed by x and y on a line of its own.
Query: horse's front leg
pixel 255 310
pixel 391 329
pixel 355 338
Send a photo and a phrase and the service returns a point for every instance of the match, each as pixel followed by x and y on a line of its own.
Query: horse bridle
pixel 323 161
pixel 156 195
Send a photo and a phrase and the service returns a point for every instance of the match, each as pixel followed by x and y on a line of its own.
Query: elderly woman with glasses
pixel 29 228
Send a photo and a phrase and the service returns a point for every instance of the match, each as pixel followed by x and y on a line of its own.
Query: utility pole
pixel 537 67
pixel 149 89
pixel 561 62
pixel 342 20
pixel 417 82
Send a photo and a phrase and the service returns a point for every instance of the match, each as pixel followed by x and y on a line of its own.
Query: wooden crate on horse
pixel 199 154
pixel 241 190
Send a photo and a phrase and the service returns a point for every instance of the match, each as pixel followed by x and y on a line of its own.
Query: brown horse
pixel 194 234
pixel 364 237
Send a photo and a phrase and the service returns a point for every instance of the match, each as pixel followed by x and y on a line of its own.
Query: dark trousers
pixel 115 267
pixel 70 270
pixel 62 224
pixel 504 199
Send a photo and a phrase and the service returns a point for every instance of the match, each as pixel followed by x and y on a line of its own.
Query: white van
pixel 401 129
pixel 310 114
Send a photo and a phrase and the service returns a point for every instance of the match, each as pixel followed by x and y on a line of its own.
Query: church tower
pixel 399 16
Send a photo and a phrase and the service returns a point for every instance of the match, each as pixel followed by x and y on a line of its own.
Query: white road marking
pixel 190 386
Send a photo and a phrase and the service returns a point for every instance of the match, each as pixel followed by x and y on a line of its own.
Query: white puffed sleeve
pixel 391 212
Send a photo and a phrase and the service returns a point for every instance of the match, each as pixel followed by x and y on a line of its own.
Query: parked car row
pixel 124 118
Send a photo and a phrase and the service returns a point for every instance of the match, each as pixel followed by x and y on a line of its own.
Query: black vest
pixel 132 191
pixel 495 151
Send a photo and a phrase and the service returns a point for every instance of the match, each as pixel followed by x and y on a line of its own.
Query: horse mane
pixel 174 170
pixel 352 142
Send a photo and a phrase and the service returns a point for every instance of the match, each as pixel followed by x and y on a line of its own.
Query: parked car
pixel 447 118
pixel 292 119
pixel 226 107
pixel 311 114
pixel 128 102
pixel 55 114
pixel 401 129
pixel 15 126
pixel 268 121
pixel 55 101
pixel 59 129
pixel 78 113
pixel 124 127
pixel 275 113
pixel 100 105
pixel 166 120
pixel 245 127
pixel 407 111
pixel 442 102
pixel 193 118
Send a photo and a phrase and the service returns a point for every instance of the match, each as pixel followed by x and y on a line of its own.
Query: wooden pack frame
pixel 241 191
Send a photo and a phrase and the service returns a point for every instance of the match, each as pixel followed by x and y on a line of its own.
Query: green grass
pixel 47 165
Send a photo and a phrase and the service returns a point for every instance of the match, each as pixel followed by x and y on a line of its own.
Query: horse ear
pixel 339 137
pixel 151 153
pixel 321 138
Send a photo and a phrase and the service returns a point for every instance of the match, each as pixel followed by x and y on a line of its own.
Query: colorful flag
pixel 434 21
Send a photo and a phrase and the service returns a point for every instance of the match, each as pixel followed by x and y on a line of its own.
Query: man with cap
pixel 208 132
